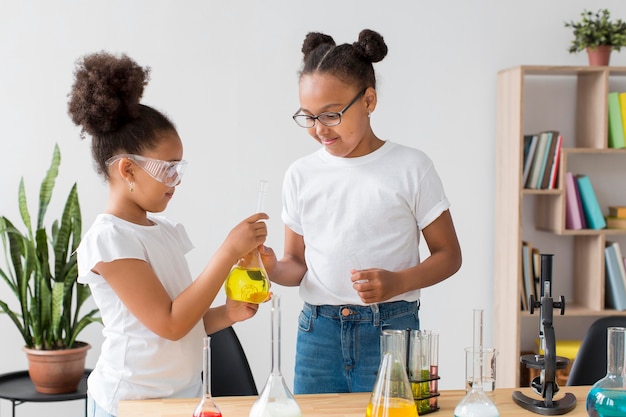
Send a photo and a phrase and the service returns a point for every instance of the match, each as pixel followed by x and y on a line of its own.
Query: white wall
pixel 226 72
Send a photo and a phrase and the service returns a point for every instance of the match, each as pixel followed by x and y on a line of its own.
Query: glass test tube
pixel 434 370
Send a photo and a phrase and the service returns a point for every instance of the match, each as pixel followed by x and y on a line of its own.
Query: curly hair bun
pixel 315 39
pixel 371 45
pixel 106 92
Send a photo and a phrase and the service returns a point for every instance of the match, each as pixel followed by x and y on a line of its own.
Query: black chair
pixel 230 371
pixel 590 363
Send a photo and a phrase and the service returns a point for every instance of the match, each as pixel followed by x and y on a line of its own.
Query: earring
pixel 369 114
pixel 130 186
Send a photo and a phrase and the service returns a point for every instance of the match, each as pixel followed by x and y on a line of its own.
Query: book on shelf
pixel 622 106
pixel 543 157
pixel 615 276
pixel 537 271
pixel 574 216
pixel 535 168
pixel 528 273
pixel 530 144
pixel 616 126
pixel 591 208
pixel 617 211
pixel 552 169
pixel 522 294
pixel 615 222
pixel 554 173
pixel 546 171
pixel 542 153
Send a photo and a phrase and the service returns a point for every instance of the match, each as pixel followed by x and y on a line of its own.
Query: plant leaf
pixel 47 186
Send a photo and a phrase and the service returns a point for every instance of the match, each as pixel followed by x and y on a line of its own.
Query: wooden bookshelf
pixel 572 100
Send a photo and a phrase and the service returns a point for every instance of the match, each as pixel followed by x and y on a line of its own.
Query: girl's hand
pixel 374 285
pixel 268 257
pixel 247 235
pixel 238 311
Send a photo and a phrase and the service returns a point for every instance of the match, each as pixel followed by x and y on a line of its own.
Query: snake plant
pixel 41 270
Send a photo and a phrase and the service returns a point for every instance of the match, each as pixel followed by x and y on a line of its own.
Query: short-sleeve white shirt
pixel 136 363
pixel 371 208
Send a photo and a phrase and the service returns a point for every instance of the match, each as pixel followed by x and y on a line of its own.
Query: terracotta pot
pixel 600 55
pixel 57 371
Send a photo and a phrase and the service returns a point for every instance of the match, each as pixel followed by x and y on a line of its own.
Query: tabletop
pixel 341 405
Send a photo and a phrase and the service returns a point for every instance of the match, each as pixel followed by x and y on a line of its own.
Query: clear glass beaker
pixel 392 395
pixel 275 398
pixel 607 397
pixel 206 407
pixel 476 402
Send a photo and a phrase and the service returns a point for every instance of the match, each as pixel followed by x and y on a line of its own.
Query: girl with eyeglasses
pixel 355 211
pixel 154 314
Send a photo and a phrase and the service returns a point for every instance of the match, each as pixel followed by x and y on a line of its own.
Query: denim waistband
pixel 373 312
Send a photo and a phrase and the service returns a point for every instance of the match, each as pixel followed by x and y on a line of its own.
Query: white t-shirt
pixel 135 363
pixel 371 207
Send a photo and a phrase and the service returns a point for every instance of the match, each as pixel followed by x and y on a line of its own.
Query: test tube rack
pixel 425 390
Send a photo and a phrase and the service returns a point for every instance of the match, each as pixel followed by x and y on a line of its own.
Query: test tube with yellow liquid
pixel 247 280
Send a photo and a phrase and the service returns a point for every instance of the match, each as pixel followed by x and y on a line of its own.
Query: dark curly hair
pixel 105 102
pixel 350 63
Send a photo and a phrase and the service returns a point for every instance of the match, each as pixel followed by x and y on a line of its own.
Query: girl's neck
pixel 139 217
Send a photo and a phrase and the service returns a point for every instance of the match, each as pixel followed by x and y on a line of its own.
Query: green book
pixel 616 127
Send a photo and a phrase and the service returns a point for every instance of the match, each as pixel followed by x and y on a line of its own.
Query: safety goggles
pixel 169 173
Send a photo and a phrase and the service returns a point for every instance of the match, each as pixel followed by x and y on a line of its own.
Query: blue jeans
pixel 338 346
pixel 94 410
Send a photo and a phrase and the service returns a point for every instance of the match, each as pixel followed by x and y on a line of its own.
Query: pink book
pixel 574 216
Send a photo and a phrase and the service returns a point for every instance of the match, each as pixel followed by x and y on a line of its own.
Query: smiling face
pixel 351 138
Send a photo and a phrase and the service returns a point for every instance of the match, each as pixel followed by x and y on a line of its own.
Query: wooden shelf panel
pixel 575 311
pixel 550 70
pixel 573 100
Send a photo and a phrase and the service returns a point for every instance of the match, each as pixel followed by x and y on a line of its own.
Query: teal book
pixel 591 207
pixel 616 126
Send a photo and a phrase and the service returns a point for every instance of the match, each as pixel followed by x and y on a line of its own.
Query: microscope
pixel 545 384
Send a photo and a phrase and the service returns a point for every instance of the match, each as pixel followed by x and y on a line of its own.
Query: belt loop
pixel 375 314
pixel 313 308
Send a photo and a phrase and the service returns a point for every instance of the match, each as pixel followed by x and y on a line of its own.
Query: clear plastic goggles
pixel 169 173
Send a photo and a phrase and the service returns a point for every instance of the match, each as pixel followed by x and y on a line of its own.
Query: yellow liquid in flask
pixel 247 284
pixel 396 407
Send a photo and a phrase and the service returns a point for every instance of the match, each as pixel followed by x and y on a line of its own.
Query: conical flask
pixel 607 397
pixel 476 403
pixel 275 398
pixel 392 395
pixel 206 407
pixel 247 280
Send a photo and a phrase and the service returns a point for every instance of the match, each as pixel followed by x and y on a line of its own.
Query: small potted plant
pixel 41 272
pixel 598 35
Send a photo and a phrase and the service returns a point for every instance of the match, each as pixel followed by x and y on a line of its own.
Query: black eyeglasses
pixel 329 118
